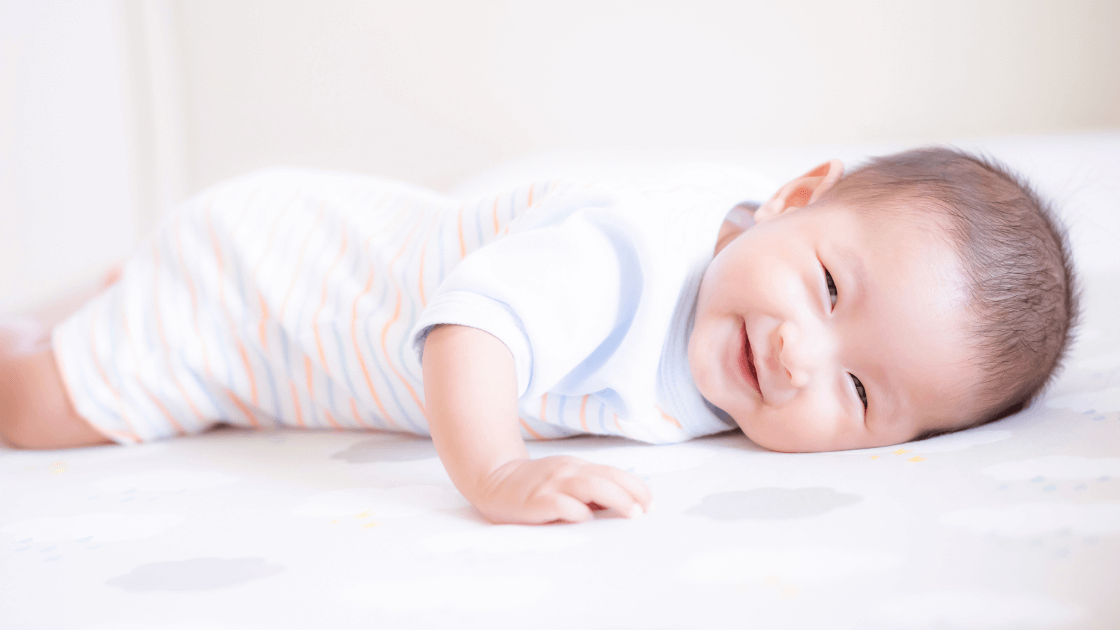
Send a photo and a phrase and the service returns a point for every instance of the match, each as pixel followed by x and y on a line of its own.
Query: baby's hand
pixel 558 489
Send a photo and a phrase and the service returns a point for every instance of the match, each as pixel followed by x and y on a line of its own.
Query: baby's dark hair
pixel 1014 252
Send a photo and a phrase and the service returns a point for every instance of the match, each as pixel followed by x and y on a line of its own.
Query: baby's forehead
pixel 892 243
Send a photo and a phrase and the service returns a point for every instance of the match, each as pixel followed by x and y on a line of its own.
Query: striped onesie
pixel 300 298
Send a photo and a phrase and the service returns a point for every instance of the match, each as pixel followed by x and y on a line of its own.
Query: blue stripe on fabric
pixel 385 377
pixel 408 368
pixel 342 354
pixel 126 396
pixel 242 271
pixel 560 404
pixel 290 225
pixel 478 226
pixel 300 312
pixel 219 414
pixel 83 368
pixel 441 231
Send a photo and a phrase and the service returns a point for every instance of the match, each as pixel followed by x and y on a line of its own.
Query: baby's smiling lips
pixel 746 362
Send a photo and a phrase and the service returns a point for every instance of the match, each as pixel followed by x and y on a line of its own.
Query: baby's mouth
pixel 746 362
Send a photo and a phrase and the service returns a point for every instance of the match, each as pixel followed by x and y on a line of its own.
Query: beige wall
pixel 434 90
pixel 68 207
pixel 112 110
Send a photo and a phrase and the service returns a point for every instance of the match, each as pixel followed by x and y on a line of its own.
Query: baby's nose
pixel 802 352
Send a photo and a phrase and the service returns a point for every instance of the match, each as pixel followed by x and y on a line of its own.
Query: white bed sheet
pixel 1012 525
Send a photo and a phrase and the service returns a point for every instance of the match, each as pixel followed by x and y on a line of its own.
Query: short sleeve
pixel 552 294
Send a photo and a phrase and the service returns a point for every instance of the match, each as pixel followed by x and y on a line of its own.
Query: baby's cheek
pixel 801 427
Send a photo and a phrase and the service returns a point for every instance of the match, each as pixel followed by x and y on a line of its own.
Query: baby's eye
pixel 860 390
pixel 832 292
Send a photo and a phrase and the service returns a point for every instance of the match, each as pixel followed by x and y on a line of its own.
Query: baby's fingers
pixel 630 483
pixel 571 510
pixel 604 492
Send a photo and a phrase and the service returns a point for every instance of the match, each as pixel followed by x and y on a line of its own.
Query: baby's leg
pixel 35 410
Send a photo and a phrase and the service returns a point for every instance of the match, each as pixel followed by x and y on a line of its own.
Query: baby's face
pixel 824 328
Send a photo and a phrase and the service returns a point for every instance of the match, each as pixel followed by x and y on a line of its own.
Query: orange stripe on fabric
pixel 128 333
pixel 217 245
pixel 330 419
pixel 295 403
pixel 299 261
pixel 544 405
pixel 105 377
pixel 357 416
pixel 323 303
pixel 423 259
pixel 668 417
pixel 240 404
pixel 167 414
pixel 264 318
pixel 583 412
pixel 393 320
pixel 307 371
pixel 194 297
pixel 618 426
pixel 495 213
pixel 97 359
pixel 529 429
pixel 109 433
pixel 136 361
pixel 256 270
pixel 530 195
pixel 358 351
pixel 163 335
pixel 462 239
pixel 249 372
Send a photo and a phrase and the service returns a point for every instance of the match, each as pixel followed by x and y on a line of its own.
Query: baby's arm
pixel 470 390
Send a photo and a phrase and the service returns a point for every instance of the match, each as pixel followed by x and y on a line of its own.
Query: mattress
pixel 1012 525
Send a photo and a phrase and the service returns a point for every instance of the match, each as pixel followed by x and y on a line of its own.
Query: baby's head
pixel 926 292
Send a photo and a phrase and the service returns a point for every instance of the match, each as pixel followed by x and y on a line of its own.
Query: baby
pixel 926 292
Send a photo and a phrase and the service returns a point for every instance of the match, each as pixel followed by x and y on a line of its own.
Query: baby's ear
pixel 801 191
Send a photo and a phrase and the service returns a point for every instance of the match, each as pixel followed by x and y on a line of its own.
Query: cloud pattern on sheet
pixel 99 527
pixel 1024 520
pixel 388 448
pixel 199 574
pixel 170 626
pixel 1055 467
pixel 947 443
pixel 1101 401
pixel 671 458
pixel 772 503
pixel 166 481
pixel 798 565
pixel 472 593
pixel 971 610
pixel 499 539
pixel 91 455
pixel 380 503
